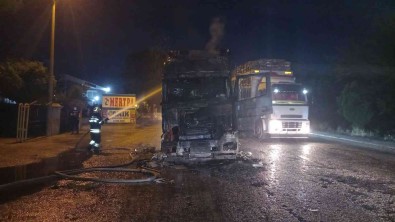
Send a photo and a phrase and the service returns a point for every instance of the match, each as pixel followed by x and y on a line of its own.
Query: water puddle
pixel 70 159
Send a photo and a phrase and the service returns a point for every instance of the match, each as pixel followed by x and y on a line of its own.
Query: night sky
pixel 93 37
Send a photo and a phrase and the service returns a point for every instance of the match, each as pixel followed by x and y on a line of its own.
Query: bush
pixel 355 105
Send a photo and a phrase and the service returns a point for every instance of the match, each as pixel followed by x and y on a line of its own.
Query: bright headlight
pixel 306 127
pixel 275 125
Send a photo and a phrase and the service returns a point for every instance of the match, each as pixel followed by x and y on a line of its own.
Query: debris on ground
pixel 179 167
pixel 159 156
pixel 257 165
pixel 313 210
pixel 164 181
pixel 244 155
pixel 152 164
pixel 145 149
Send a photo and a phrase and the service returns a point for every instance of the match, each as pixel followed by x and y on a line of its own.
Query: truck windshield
pixel 183 90
pixel 288 94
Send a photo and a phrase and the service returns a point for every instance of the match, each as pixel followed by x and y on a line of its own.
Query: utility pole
pixel 51 72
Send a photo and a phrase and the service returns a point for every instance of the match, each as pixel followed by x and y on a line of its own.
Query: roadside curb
pixel 383 146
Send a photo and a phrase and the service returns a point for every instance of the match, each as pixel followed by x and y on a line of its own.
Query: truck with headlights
pixel 269 103
pixel 197 106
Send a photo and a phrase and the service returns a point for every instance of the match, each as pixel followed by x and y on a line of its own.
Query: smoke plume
pixel 217 32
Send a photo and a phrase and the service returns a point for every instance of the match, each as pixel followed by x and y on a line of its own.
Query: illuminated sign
pixel 120 116
pixel 119 101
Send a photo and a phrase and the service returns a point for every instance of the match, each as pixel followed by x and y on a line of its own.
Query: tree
pixel 366 71
pixel 355 105
pixel 23 80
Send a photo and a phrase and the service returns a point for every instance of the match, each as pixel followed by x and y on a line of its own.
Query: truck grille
pixel 291 116
pixel 200 146
pixel 292 125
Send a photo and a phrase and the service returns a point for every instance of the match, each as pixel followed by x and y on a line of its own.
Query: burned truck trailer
pixel 197 106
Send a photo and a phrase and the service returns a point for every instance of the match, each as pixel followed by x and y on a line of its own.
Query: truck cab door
pixel 253 100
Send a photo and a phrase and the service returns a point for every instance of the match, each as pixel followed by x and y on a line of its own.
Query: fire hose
pixel 153 175
pixel 152 178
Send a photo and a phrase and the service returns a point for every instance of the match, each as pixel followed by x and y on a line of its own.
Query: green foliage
pixel 10 79
pixel 362 132
pixel 366 71
pixel 23 80
pixel 355 105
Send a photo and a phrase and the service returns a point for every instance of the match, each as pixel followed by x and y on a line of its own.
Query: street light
pixel 51 71
pixel 107 89
pixel 52 54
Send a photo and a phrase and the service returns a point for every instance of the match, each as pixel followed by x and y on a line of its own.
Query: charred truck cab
pixel 197 106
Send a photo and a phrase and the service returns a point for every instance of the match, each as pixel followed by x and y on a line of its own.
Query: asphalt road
pixel 293 180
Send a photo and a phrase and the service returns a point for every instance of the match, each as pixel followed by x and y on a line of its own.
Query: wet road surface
pixel 295 180
pixel 315 180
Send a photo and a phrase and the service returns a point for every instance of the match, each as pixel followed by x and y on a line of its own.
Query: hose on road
pixel 68 174
pixel 153 174
pixel 152 178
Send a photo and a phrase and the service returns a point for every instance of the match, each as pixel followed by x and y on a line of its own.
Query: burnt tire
pixel 166 147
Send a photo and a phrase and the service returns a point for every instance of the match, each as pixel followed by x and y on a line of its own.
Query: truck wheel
pixel 260 131
pixel 167 147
